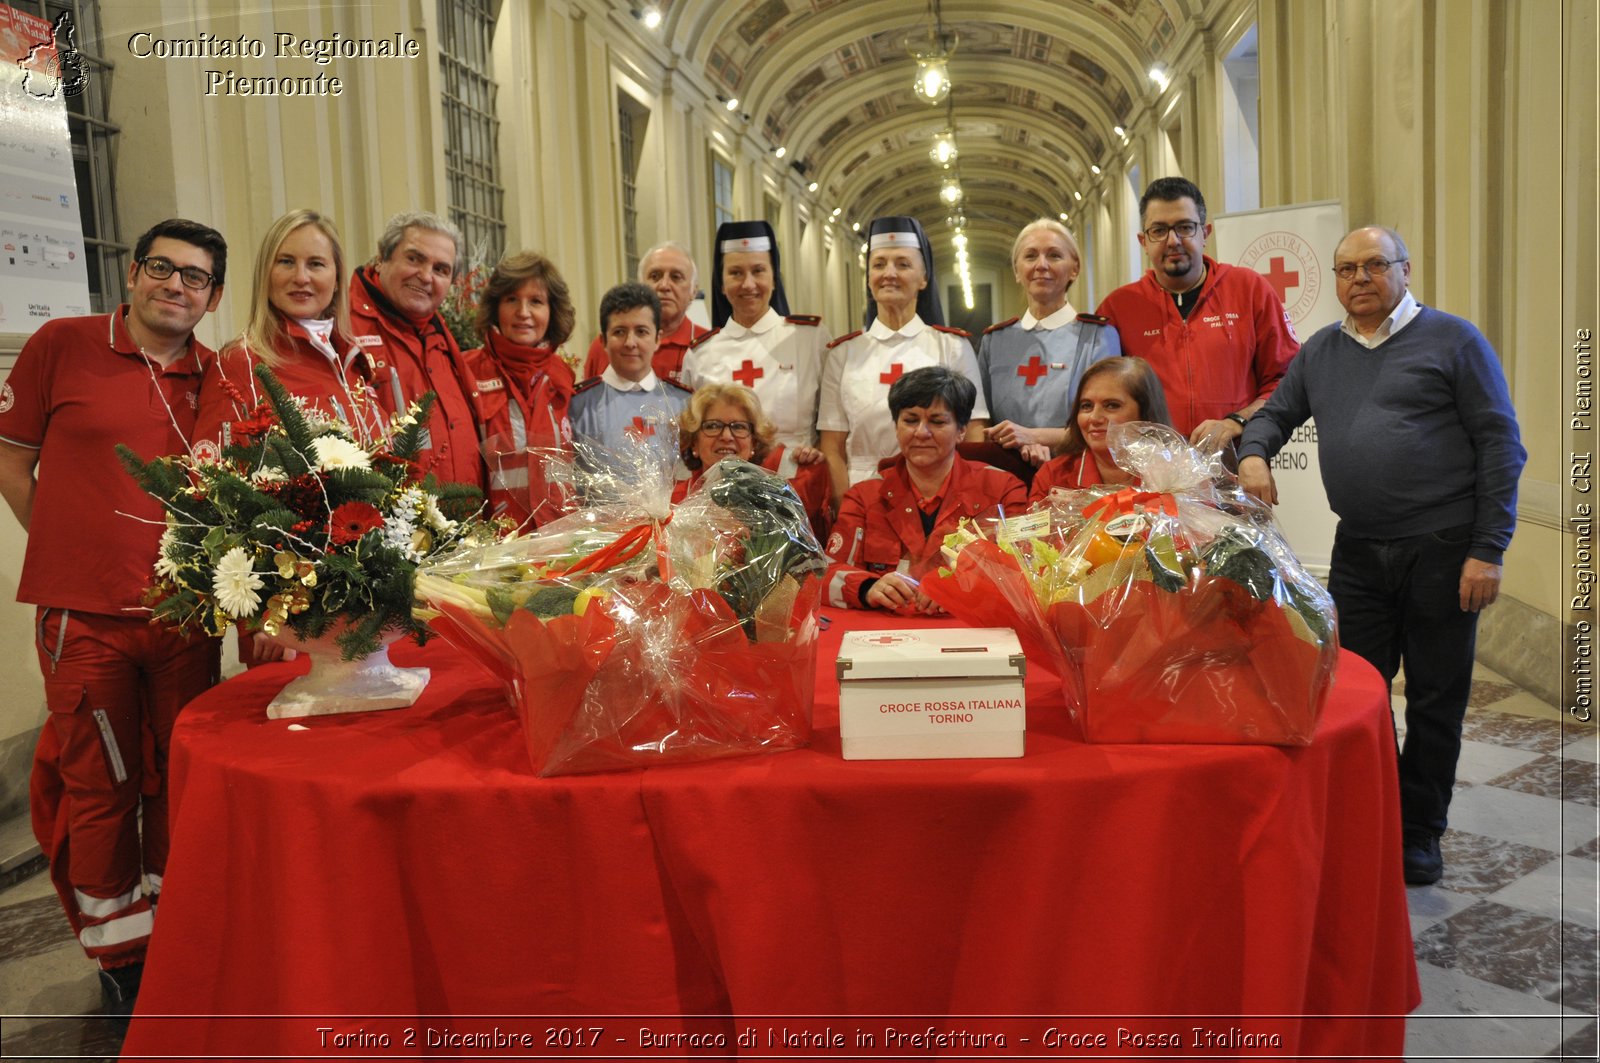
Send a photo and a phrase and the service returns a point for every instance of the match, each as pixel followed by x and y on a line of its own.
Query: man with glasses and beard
pixel 1218 336
pixel 114 682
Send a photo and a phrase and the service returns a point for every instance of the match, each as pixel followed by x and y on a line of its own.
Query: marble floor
pixel 1506 943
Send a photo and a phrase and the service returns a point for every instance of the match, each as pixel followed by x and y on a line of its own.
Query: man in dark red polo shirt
pixel 394 313
pixel 113 682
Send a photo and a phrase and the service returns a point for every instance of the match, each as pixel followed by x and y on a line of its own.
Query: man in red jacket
pixel 1217 335
pixel 113 681
pixel 394 313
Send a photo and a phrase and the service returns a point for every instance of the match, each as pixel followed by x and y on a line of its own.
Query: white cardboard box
pixel 931 693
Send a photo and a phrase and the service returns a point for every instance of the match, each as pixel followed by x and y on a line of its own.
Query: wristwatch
pixel 1236 419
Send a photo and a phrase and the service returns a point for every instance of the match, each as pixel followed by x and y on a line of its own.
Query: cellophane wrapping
pixel 629 634
pixel 1173 611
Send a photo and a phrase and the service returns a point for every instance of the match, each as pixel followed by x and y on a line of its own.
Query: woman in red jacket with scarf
pixel 522 385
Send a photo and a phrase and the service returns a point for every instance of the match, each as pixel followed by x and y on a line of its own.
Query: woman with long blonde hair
pixel 299 326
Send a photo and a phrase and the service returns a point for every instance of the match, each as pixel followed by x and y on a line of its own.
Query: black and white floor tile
pixel 1506 943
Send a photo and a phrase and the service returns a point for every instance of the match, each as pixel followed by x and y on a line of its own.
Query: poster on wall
pixel 1292 247
pixel 43 272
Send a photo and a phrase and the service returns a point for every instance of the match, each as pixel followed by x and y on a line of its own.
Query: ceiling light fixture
pixel 812 187
pixel 1093 168
pixel 932 53
pixel 650 15
pixel 1160 77
pixel 732 103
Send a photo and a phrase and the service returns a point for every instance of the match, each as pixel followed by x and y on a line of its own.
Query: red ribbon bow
pixel 1128 500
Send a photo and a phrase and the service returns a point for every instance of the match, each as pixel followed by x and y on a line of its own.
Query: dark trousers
pixel 1399 603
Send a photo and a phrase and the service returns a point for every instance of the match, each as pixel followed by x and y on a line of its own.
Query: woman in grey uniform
pixel 1030 365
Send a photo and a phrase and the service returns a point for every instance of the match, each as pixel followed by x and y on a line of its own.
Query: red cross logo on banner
pixel 1281 279
pixel 1032 371
pixel 896 371
pixel 641 429
pixel 748 374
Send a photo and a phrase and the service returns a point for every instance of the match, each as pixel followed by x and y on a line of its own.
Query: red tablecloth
pixel 370 871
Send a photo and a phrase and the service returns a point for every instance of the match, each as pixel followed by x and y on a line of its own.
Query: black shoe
pixel 1423 862
pixel 119 988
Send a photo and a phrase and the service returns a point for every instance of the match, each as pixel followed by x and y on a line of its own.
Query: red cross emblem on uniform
pixel 1281 279
pixel 641 429
pixel 896 371
pixel 748 374
pixel 1032 371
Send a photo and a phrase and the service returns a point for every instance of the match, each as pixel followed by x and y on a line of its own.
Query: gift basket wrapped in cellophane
pixel 1173 611
pixel 630 633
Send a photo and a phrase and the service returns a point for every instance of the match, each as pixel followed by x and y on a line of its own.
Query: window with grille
pixel 472 132
pixel 632 118
pixel 721 189
pixel 94 146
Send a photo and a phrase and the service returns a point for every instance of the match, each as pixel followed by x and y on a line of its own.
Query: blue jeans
pixel 1399 603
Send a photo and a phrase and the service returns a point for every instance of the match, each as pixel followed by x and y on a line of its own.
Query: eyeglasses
pixel 1184 229
pixel 740 429
pixel 1375 267
pixel 158 268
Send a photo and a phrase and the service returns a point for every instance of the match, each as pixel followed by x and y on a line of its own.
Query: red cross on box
pixel 1032 371
pixel 640 428
pixel 1281 279
pixel 896 371
pixel 748 374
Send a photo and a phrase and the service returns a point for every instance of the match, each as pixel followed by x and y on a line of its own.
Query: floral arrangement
pixel 460 306
pixel 297 525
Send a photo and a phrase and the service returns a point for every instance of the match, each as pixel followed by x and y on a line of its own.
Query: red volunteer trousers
pixel 113 686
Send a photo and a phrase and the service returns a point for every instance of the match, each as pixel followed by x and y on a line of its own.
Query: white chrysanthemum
pixel 267 475
pixel 435 516
pixel 166 567
pixel 335 453
pixel 235 584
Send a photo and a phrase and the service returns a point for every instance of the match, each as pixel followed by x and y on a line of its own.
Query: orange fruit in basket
pixel 1103 549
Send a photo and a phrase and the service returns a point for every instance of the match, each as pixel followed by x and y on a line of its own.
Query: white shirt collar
pixel 1404 311
pixel 611 377
pixel 1065 315
pixel 320 331
pixel 880 331
pixel 765 323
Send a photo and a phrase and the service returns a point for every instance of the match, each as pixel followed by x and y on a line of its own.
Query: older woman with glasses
pixel 726 421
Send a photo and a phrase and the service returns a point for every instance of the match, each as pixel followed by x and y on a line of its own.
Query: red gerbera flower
pixel 353 520
pixel 260 421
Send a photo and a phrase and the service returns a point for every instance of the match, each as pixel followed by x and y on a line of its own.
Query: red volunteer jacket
pixel 304 371
pixel 412 358
pixel 879 529
pixel 1233 349
pixel 519 397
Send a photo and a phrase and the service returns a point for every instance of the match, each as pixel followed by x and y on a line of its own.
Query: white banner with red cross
pixel 1292 247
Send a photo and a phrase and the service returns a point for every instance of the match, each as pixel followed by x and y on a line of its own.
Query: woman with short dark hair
pixel 890 529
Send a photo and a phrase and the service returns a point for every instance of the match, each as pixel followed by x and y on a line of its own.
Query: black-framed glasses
pixel 160 269
pixel 1184 229
pixel 740 429
pixel 1375 267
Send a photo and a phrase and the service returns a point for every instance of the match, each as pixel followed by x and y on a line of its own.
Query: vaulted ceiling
pixel 1039 86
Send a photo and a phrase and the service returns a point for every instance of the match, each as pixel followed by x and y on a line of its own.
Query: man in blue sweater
pixel 1420 454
